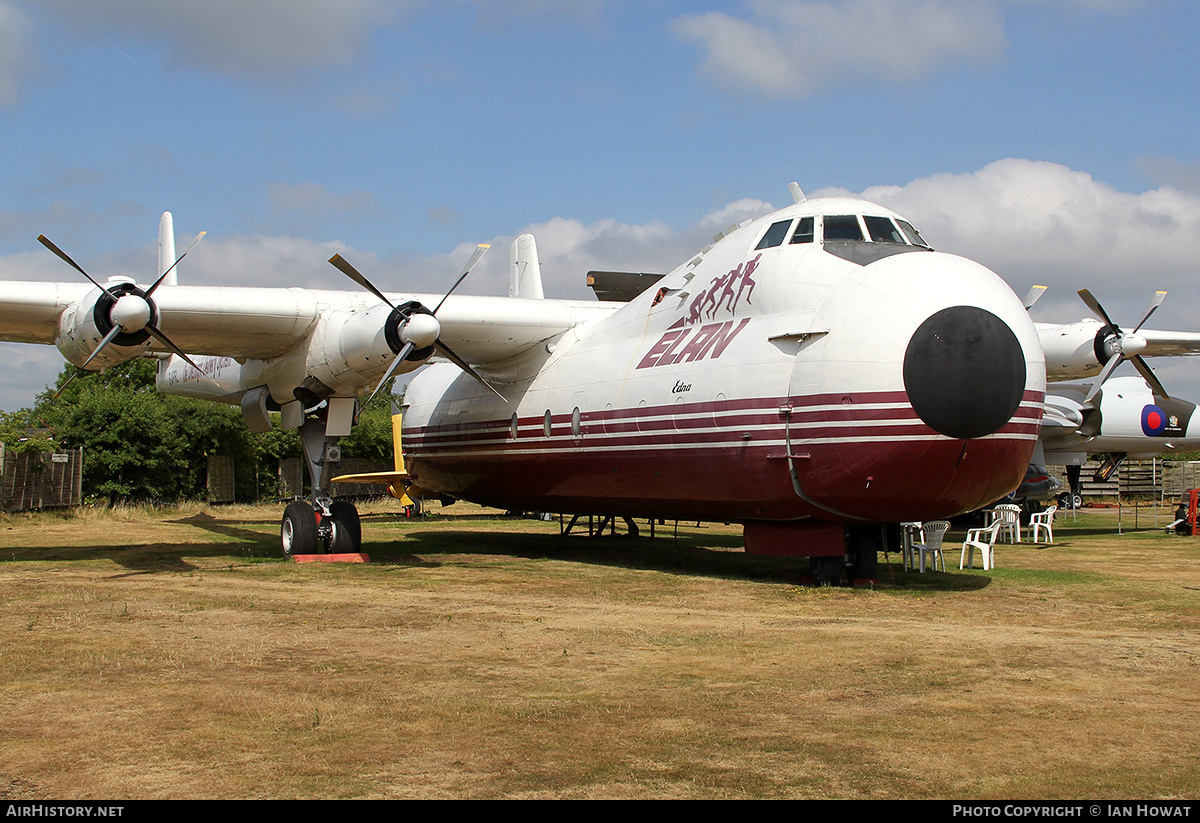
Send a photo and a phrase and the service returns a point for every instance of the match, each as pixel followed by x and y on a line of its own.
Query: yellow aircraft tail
pixel 398 481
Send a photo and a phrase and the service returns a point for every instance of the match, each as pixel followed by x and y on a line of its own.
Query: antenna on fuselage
pixel 797 194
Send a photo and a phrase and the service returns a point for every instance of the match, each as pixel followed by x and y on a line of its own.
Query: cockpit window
pixel 775 235
pixel 883 230
pixel 842 227
pixel 804 231
pixel 913 237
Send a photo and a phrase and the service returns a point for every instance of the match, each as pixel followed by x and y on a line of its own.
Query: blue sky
pixel 1053 140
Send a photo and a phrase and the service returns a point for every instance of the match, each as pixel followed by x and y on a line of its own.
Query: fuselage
pixel 1125 418
pixel 819 362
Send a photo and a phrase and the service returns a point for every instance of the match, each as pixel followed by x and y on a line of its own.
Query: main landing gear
pixel 325 525
pixel 307 530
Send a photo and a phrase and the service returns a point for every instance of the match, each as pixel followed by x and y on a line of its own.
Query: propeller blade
pixel 1155 302
pixel 343 265
pixel 1033 296
pixel 63 387
pixel 166 341
pixel 1144 369
pixel 478 254
pixel 1098 310
pixel 462 364
pixel 404 352
pixel 1112 363
pixel 67 259
pixel 83 369
pixel 163 276
pixel 107 339
pixel 1121 338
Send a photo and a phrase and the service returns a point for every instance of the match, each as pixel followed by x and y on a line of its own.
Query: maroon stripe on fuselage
pixel 698 460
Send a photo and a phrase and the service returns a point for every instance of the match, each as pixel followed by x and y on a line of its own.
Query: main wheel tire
pixel 347 528
pixel 299 529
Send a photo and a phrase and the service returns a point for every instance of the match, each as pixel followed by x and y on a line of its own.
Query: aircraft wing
pixel 1062 418
pixel 1076 351
pixel 264 323
pixel 485 330
pixel 1169 343
pixel 29 312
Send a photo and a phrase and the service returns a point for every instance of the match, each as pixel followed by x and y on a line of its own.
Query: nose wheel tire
pixel 299 529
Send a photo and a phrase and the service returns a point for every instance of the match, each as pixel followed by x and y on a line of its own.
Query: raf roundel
pixel 1154 421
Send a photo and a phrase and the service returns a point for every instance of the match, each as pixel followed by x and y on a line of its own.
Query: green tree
pixel 21 431
pixel 142 445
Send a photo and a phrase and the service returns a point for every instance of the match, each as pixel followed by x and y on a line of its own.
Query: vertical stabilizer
pixel 166 249
pixel 524 271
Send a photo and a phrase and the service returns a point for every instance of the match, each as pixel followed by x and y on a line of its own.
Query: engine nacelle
pixel 82 327
pixel 350 351
pixel 1076 350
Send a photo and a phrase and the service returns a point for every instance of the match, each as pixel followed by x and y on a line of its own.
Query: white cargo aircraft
pixel 816 374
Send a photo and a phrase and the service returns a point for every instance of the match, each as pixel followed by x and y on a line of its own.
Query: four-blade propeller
pixel 1121 346
pixel 130 310
pixel 415 326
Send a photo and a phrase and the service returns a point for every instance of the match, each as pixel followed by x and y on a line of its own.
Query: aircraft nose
pixel 940 379
pixel 964 371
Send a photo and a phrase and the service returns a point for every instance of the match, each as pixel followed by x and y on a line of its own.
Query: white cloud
pixel 798 48
pixel 27 371
pixel 1168 171
pixel 16 51
pixel 568 249
pixel 272 37
pixel 262 260
pixel 1043 223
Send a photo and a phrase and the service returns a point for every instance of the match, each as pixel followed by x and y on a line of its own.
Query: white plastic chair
pixel 931 543
pixel 983 539
pixel 910 536
pixel 1008 515
pixel 1043 520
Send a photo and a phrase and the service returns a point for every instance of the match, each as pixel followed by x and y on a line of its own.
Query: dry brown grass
pixel 167 653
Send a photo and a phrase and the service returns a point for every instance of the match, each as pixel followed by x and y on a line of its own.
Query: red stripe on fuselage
pixel 870 458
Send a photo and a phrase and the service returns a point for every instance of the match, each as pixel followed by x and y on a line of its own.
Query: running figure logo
pixel 683 344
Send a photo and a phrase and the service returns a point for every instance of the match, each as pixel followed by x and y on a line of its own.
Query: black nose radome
pixel 964 372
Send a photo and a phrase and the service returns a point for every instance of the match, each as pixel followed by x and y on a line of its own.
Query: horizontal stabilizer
pixel 620 286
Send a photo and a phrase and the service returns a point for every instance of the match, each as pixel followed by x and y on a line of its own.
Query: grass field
pixel 169 653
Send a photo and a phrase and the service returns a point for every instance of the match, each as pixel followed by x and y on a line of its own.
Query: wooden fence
pixel 40 480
